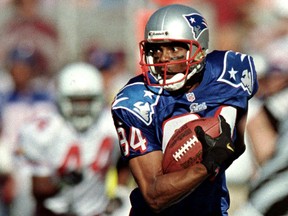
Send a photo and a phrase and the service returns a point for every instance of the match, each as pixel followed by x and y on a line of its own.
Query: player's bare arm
pixel 263 138
pixel 161 190
pixel 43 187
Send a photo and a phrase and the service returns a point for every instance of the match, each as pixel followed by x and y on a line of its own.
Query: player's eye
pixel 150 48
pixel 157 53
pixel 179 46
pixel 175 49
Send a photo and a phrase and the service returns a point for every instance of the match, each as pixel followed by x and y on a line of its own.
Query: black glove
pixel 239 149
pixel 72 178
pixel 216 151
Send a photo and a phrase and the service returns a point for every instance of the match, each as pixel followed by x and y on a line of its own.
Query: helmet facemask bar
pixel 81 111
pixel 194 63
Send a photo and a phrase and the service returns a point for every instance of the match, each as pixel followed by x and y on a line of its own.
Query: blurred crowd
pixel 38 38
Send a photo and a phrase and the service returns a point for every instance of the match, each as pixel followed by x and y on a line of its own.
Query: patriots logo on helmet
pixel 197 23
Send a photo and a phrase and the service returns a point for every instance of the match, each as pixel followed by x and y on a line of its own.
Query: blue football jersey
pixel 145 118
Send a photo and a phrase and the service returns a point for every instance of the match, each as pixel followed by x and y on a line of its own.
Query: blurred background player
pixel 21 101
pixel 267 124
pixel 27 21
pixel 6 182
pixel 71 150
pixel 112 66
pixel 28 44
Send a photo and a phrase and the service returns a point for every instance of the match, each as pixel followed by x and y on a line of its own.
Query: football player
pixel 70 151
pixel 182 81
pixel 21 100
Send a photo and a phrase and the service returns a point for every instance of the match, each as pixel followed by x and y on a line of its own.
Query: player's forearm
pixel 171 187
pixel 44 187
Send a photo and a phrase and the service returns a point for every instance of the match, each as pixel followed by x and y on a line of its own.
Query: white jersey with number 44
pixel 53 148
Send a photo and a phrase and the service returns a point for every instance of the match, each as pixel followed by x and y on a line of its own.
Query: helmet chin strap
pixel 175 80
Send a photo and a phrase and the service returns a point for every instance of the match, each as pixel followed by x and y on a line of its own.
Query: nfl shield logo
pixel 190 97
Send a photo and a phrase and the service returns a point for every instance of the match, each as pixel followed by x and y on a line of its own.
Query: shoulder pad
pixel 139 100
pixel 239 71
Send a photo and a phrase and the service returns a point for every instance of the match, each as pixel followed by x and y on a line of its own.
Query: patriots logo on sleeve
pixel 238 71
pixel 196 22
pixel 141 103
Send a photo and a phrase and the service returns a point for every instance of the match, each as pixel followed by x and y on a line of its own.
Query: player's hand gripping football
pixel 216 151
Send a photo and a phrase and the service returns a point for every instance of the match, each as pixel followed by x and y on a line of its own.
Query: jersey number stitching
pixel 136 140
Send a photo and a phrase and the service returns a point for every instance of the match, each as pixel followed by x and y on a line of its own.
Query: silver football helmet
pixel 80 94
pixel 174 23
